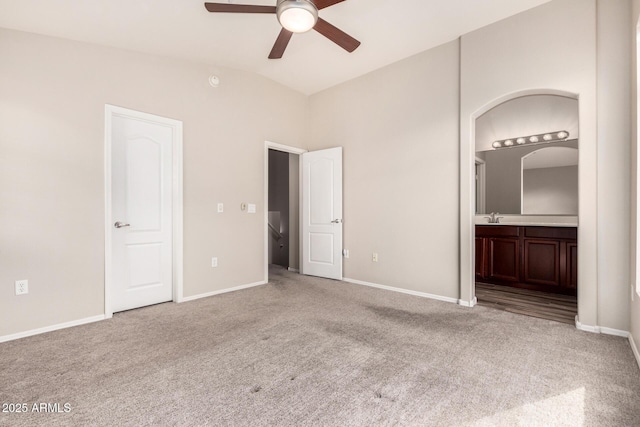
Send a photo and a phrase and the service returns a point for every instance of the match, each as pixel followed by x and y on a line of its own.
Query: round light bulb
pixel 533 139
pixel 297 16
pixel 496 144
pixel 508 143
pixel 563 135
pixel 547 137
pixel 521 140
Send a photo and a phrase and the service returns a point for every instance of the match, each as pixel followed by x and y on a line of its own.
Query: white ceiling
pixel 389 30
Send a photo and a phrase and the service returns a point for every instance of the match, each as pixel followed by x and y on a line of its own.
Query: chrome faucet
pixel 494 218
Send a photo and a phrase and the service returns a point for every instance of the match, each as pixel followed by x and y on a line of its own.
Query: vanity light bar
pixel 541 138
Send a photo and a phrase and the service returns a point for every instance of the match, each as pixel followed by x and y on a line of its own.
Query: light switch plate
pixel 22 287
pixel 251 208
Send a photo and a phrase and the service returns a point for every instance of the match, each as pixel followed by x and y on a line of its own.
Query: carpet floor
pixel 307 351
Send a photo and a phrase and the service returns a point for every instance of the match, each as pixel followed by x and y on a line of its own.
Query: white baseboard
pixel 294 270
pixel 51 328
pixel 601 330
pixel 616 332
pixel 222 291
pixel 586 328
pixel 471 303
pixel 402 291
pixel 634 349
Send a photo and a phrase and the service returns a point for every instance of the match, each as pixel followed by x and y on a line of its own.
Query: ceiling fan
pixel 295 16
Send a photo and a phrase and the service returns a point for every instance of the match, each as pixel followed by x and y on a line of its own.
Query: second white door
pixel 141 236
pixel 321 218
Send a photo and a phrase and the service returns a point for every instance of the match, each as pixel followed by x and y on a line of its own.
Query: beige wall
pixel 52 97
pixel 635 304
pixel 399 129
pixel 614 165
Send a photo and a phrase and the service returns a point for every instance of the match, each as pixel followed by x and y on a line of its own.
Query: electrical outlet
pixel 345 253
pixel 220 207
pixel 22 287
pixel 214 261
pixel 374 257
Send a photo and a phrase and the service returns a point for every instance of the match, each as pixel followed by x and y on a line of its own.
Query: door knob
pixel 336 221
pixel 120 224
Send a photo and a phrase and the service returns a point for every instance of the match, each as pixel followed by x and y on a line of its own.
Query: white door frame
pixel 268 145
pixel 111 111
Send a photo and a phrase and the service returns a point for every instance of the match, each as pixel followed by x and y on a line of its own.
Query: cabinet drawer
pixel 497 231
pixel 569 233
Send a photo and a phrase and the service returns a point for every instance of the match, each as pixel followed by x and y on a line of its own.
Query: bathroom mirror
pixel 512 180
pixel 550 181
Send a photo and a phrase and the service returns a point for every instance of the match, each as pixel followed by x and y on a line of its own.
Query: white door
pixel 322 213
pixel 141 232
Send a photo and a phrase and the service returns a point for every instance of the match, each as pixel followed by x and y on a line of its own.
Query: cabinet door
pixel 504 259
pixel 542 262
pixel 481 258
pixel 572 265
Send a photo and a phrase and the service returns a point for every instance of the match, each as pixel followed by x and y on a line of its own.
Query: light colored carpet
pixel 309 351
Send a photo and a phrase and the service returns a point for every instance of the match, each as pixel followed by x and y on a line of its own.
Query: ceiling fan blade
pixel 239 8
pixel 336 35
pixel 321 4
pixel 281 44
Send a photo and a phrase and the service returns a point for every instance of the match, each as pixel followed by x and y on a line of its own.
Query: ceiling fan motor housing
pixel 297 16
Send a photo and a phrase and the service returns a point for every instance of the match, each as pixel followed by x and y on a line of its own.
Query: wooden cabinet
pixel 538 258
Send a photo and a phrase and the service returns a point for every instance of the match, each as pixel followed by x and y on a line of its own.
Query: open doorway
pixel 282 210
pixel 526 230
pixel 282 201
pixel 314 226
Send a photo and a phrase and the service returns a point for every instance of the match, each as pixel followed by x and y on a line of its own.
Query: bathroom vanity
pixel 537 257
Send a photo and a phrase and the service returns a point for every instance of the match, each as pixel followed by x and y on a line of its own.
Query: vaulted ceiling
pixel 389 31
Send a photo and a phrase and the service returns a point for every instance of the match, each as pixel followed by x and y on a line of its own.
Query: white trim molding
pixel 177 198
pixel 601 330
pixel 471 303
pixel 586 328
pixel 293 270
pixel 634 348
pixel 401 290
pixel 52 328
pixel 223 291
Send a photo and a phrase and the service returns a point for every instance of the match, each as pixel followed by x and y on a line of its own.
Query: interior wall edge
pixel 634 348
pixel 52 328
pixel 223 291
pixel 402 290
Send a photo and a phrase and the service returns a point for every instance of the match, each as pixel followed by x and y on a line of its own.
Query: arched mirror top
pixel 550 157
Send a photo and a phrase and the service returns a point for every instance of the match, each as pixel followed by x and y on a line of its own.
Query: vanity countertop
pixel 530 220
pixel 532 224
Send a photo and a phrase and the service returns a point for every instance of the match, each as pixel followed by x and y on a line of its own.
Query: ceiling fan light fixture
pixel 297 16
